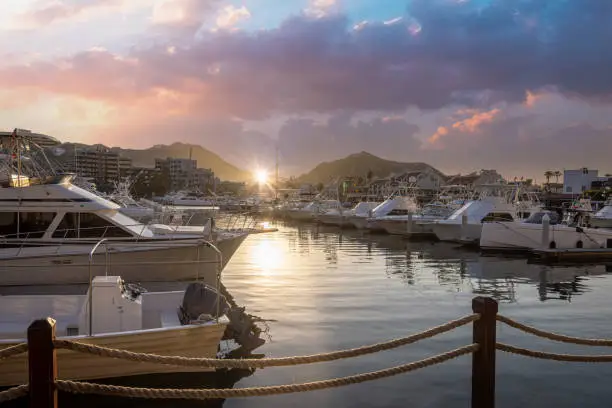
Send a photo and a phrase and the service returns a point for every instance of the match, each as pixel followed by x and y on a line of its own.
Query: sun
pixel 261 176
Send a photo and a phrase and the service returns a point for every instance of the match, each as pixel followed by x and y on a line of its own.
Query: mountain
pixel 359 164
pixel 205 158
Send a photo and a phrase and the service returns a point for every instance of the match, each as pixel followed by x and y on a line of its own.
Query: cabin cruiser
pixel 497 202
pixel 394 206
pixel 188 199
pixel 342 217
pixel 531 234
pixel 421 223
pixel 311 210
pixel 603 217
pixel 50 228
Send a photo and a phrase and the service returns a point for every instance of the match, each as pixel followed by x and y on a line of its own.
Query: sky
pixel 521 86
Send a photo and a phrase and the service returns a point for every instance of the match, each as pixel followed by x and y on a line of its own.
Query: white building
pixel 577 181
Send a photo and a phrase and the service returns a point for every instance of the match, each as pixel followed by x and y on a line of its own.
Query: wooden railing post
pixel 483 360
pixel 42 363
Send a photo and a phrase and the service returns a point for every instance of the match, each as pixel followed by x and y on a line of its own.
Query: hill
pixel 359 164
pixel 205 158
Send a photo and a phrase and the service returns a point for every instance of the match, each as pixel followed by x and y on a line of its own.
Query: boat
pixel 115 314
pixel 531 234
pixel 48 229
pixel 188 199
pixel 394 206
pixel 421 223
pixel 310 211
pixel 497 202
pixel 603 217
pixel 343 217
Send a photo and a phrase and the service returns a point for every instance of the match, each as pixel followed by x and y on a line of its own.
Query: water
pixel 325 290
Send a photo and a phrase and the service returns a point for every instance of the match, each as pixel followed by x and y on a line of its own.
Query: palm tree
pixel 557 174
pixel 548 174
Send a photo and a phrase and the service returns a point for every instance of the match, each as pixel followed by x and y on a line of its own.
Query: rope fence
pixel 44 384
pixel 113 390
pixel 267 362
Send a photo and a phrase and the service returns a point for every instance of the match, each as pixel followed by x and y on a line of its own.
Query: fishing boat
pixel 114 314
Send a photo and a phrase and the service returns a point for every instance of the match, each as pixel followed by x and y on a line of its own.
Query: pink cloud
pixel 473 123
pixel 46 12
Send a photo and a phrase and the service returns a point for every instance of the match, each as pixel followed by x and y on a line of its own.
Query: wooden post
pixel 483 360
pixel 42 363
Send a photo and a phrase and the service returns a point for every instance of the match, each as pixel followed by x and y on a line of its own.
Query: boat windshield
pixel 536 218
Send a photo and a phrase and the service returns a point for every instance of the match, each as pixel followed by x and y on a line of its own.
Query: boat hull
pixel 456 232
pixel 497 236
pixel 336 220
pixel 186 341
pixel 358 222
pixel 601 222
pixel 69 264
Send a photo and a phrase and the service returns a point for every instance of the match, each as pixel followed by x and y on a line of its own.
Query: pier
pixel 44 383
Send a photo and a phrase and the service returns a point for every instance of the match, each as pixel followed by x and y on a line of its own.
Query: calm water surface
pixel 324 290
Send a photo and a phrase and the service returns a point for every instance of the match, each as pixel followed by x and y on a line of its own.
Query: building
pixel 427 179
pixel 475 179
pixel 577 181
pixel 97 162
pixel 143 175
pixel 184 173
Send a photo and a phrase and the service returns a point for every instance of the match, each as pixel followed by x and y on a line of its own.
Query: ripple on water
pixel 329 290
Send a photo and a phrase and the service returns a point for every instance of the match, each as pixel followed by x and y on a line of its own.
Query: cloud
pixel 461 55
pixel 470 124
pixel 230 15
pixel 321 8
pixel 45 12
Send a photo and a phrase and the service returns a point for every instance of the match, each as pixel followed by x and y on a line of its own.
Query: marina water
pixel 327 290
pixel 322 289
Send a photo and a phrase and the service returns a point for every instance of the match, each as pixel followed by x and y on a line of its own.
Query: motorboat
pixel 49 228
pixel 394 206
pixel 115 314
pixel 497 202
pixel 310 211
pixel 603 217
pixel 531 234
pixel 343 217
pixel 421 223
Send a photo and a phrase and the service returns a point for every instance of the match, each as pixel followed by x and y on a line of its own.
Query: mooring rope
pixel 13 350
pixel 265 362
pixel 14 393
pixel 553 336
pixel 113 390
pixel 553 356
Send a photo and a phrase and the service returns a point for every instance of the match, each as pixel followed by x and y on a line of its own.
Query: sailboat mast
pixel 276 177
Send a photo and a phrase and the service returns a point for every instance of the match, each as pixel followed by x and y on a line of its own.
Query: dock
pixel 571 255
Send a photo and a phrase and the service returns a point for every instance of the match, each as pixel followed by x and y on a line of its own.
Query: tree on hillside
pixel 320 187
pixel 557 174
pixel 369 175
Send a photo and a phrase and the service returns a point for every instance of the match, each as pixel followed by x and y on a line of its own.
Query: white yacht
pixel 497 202
pixel 343 217
pixel 530 234
pixel 189 323
pixel 49 228
pixel 603 217
pixel 188 199
pixel 421 223
pixel 394 206
pixel 311 210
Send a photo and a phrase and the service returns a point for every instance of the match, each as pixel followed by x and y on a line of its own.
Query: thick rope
pixel 553 336
pixel 113 390
pixel 13 350
pixel 13 393
pixel 262 363
pixel 553 356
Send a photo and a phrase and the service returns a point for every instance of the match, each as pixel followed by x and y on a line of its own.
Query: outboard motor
pixel 200 304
